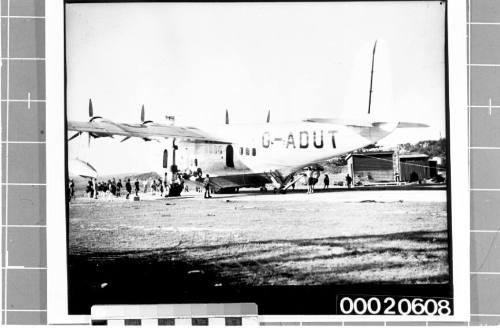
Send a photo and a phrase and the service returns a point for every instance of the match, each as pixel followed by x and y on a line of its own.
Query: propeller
pixel 75 135
pixel 91 108
pixel 268 116
pixel 91 118
pixel 143 122
pixel 227 117
pixel 143 116
pixel 91 112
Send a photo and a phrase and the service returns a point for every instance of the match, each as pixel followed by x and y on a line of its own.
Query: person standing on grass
pixel 396 177
pixel 153 187
pixel 119 187
pixel 128 187
pixel 109 189
pixel 315 179
pixel 348 179
pixel 310 181
pixel 160 185
pixel 71 189
pixel 94 187
pixel 167 187
pixel 206 185
pixel 136 183
pixel 90 189
pixel 113 187
pixel 326 181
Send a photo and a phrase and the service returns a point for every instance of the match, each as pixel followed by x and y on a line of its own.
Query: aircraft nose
pixel 77 167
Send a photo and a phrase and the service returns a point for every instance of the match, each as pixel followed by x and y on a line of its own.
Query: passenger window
pixel 247 151
pixel 241 150
pixel 254 152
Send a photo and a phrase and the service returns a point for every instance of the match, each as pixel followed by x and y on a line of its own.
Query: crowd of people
pixel 112 188
pixel 128 187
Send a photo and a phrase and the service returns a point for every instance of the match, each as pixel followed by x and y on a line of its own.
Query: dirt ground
pixel 258 239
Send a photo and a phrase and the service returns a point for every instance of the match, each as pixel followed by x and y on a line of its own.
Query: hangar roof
pixel 371 154
pixel 413 156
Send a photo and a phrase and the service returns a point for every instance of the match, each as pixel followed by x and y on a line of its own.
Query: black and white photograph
pixel 284 154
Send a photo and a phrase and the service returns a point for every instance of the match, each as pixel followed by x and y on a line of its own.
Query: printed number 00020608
pixel 391 306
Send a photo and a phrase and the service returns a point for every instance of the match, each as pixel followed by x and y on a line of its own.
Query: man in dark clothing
pixel 119 187
pixel 90 190
pixel 206 185
pixel 136 183
pixel 326 181
pixel 348 179
pixel 113 187
pixel 160 185
pixel 128 187
pixel 71 189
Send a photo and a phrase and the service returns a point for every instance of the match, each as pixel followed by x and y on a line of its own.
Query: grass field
pixel 262 239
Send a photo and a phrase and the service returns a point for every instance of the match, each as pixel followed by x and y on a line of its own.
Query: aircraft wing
pixel 362 122
pixel 104 128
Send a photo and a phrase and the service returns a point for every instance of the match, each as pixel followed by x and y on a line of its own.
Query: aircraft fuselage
pixel 279 147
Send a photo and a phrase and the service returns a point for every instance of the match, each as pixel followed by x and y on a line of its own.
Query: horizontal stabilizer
pixel 366 123
pixel 412 125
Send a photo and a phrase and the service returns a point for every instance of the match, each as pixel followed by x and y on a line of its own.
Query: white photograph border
pixel 458 157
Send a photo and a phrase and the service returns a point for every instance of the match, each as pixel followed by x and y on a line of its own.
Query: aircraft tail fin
pixel 369 93
pixel 369 101
pixel 371 78
pixel 369 96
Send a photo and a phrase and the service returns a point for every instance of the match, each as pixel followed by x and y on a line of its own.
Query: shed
pixel 371 166
pixel 415 167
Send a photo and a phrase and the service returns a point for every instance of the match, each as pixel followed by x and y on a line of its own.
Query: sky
pixel 299 60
